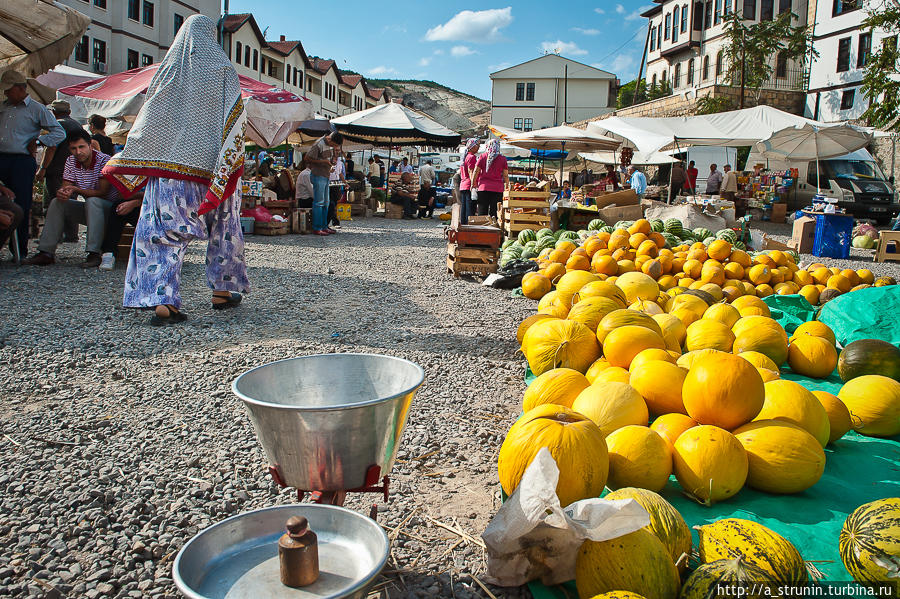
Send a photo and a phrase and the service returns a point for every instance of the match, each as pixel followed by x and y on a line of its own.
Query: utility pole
pixel 743 63
pixel 222 29
pixel 566 98
pixel 637 83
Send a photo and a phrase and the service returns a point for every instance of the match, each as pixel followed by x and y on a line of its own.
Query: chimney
pixel 282 38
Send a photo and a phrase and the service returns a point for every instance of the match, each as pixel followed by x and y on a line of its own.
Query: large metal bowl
pixel 325 420
pixel 238 557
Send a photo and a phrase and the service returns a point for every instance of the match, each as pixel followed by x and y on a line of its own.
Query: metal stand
pixel 373 477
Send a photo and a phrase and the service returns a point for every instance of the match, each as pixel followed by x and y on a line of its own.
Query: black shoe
pixel 230 302
pixel 174 317
pixel 93 260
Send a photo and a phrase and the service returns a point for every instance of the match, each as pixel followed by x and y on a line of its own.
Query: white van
pixel 855 180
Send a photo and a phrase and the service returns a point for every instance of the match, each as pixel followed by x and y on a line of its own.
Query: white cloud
pixel 599 11
pixel 584 31
pixel 382 70
pixel 438 52
pixel 499 67
pixel 620 9
pixel 424 61
pixel 459 51
pixel 472 26
pixel 633 16
pixel 561 47
pixel 623 65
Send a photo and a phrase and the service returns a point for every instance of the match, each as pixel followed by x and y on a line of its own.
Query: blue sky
pixel 457 44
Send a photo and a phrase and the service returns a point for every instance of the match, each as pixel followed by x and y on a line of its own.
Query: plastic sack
pixel 259 213
pixel 532 537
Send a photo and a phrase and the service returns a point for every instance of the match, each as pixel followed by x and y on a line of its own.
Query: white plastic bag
pixel 533 537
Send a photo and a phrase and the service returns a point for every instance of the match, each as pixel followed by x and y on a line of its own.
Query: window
pixel 520 92
pixel 718 13
pixel 148 13
pixel 705 74
pixel 676 79
pixel 309 85
pixel 750 9
pixel 784 6
pixel 295 76
pixel 517 124
pixel 690 72
pixel 847 99
pixel 653 85
pixel 134 10
pixel 178 21
pixel 100 4
pixel 299 79
pixel 684 18
pixel 698 16
pixel 273 70
pixel 247 56
pixel 668 31
pixel 99 51
pixel 237 52
pixel 865 50
pixel 843 57
pixel 720 66
pixel 708 15
pixel 81 50
pixel 256 60
pixel 659 35
pixel 766 10
pixel 781 65
pixel 132 60
pixel 146 60
pixel 675 21
pixel 727 10
pixel 652 39
pixel 529 125
pixel 529 92
pixel 841 7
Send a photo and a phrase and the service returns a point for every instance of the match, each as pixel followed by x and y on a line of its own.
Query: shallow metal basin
pixel 238 557
pixel 325 420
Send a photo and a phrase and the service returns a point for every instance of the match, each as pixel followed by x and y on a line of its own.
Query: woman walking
pixel 187 149
pixel 491 178
pixel 466 208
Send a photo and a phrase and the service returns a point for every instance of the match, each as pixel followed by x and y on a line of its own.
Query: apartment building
pixel 127 34
pixel 686 45
pixel 548 91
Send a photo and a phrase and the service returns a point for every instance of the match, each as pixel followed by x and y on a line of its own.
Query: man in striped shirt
pixel 81 177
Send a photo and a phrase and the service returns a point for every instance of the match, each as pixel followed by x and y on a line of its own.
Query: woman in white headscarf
pixel 491 178
pixel 186 149
pixel 466 206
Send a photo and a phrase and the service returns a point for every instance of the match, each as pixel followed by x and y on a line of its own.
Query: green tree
pixel 880 82
pixel 711 105
pixel 751 49
pixel 659 91
pixel 626 93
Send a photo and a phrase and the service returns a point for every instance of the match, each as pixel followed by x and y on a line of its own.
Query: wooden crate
pixel 270 228
pixel 123 250
pixel 469 260
pixel 523 210
pixel 392 210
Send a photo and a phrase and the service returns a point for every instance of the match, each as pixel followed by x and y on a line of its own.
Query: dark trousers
pixel 115 225
pixel 487 202
pixel 17 172
pixel 675 190
pixel 409 207
pixel 335 192
pixel 6 232
pixel 426 210
pixel 465 206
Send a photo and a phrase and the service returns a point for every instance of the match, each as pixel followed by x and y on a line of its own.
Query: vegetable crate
pixel 523 210
pixel 469 260
pixel 270 228
pixel 392 210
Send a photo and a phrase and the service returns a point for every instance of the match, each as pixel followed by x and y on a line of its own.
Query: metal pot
pixel 324 421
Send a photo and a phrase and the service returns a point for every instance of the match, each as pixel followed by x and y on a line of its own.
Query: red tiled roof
pixel 351 80
pixel 320 64
pixel 234 22
pixel 376 92
pixel 283 47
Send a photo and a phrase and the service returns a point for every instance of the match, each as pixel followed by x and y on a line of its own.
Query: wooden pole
pixel 637 83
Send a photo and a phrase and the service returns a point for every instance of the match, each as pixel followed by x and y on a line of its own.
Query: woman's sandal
pixel 230 301
pixel 173 316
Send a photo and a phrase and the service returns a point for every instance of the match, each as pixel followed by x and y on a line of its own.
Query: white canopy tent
pixel 639 158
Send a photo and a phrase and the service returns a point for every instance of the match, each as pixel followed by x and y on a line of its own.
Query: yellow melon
pixel 723 313
pixel 811 356
pixel 670 426
pixel 659 383
pixel 709 334
pixel 768 375
pixel 749 305
pixel 638 457
pixel 687 360
pixel 759 360
pixel 526 324
pixel 613 374
pixel 536 287
pixel 649 355
pixel 709 463
pixel 761 548
pixel 783 457
pixel 638 285
pixel 637 562
pixel 622 318
pixel 571 283
pixel 612 406
pixel 599 365
pixel 552 343
pixel 762 335
pixel 623 344
pixel 724 390
pixel 791 402
pixel 591 310
pixel 874 404
pixel 686 301
pixel 838 415
pixel 558 386
pixel 602 289
pixel 548 299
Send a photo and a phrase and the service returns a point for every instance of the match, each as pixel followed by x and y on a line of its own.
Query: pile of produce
pixel 675 259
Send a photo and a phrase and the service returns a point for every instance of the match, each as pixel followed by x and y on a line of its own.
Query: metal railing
pixel 790 79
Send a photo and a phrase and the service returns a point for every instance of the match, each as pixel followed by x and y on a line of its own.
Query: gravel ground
pixel 121 441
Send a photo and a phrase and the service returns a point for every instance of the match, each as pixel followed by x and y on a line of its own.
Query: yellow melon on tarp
pixel 558 386
pixel 838 415
pixel 816 328
pixel 599 365
pixel 665 522
pixel 612 405
pixel 590 311
pixel 576 444
pixel 709 334
pixel 613 374
pixel 759 360
pixel 638 457
pixel 623 344
pixel 659 383
pixel 687 360
pixel 571 283
pixel 783 457
pixel 636 562
pixel 763 335
pixel 550 344
pixel 792 402
pixel 874 404
pixel 723 313
pixel 724 390
pixel 525 324
pixel 759 546
pixel 621 318
pixel 602 289
pixel 870 541
pixel 638 285
pixel 709 463
pixel 815 357
pixel 671 426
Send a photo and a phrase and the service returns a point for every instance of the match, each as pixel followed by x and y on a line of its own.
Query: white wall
pixel 247 38
pixel 586 98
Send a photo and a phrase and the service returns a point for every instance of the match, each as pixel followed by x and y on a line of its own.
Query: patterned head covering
pixel 191 125
pixel 471 143
pixel 493 150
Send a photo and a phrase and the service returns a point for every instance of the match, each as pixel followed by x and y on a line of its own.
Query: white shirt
pixel 304 187
pixel 426 171
pixel 337 171
pixel 406 169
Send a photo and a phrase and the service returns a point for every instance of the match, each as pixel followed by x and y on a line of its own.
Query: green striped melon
pixel 665 522
pixel 701 233
pixel 870 541
pixel 671 240
pixel 526 236
pixel 607 229
pixel 708 580
pixel 544 233
pixel 596 224
pixel 657 226
pixel 740 245
pixel 708 241
pixel 507 243
pixel 673 226
pixel 759 546
pixel 727 234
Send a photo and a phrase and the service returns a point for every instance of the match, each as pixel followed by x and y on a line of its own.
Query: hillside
pixel 454 109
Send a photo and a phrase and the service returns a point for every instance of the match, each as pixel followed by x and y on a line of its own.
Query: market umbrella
pixel 37 35
pixel 563 138
pixel 273 113
pixel 814 142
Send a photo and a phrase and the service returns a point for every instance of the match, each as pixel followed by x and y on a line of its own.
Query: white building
pixel 844 48
pixel 549 91
pixel 127 34
pixel 687 40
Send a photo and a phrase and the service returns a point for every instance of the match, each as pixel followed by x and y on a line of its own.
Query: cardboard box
pixel 618 198
pixel 804 234
pixel 614 214
pixel 779 210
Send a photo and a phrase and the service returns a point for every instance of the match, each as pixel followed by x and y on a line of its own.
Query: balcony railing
pixel 785 80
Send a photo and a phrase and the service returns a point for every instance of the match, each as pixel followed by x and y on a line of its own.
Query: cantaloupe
pixel 783 457
pixel 558 386
pixel 723 390
pixel 709 463
pixel 792 402
pixel 612 406
pixel 638 457
pixel 659 383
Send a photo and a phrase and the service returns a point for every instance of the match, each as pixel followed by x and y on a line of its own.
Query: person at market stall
pixel 284 185
pixel 99 139
pixel 53 176
pixel 637 181
pixel 10 214
pixel 192 189
pixel 81 177
pixel 466 206
pixel 426 197
pixel 426 171
pixel 265 166
pixel 303 187
pixel 490 178
pixel 373 173
pixel 566 192
pixel 676 180
pixel 403 193
pixel 22 119
pixel 406 167
pixel 714 180
pixel 319 159
pixel 729 191
pixel 123 212
pixel 336 185
pixel 690 184
pixel 395 167
pixel 610 179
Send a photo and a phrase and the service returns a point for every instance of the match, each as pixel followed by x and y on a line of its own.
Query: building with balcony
pixel 548 91
pixel 127 34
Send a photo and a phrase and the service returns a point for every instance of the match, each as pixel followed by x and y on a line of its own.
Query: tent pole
pixel 562 151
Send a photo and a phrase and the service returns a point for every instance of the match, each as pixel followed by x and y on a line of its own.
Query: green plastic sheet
pixel 790 311
pixel 872 313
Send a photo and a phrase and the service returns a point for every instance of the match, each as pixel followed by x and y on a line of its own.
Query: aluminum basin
pixel 324 420
pixel 238 557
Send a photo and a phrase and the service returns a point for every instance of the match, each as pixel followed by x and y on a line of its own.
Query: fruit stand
pixel 524 208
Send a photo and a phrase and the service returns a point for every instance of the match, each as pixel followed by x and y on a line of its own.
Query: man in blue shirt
pixel 637 180
pixel 21 122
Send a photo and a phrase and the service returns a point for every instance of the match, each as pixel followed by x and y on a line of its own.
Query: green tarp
pixel 790 311
pixel 872 313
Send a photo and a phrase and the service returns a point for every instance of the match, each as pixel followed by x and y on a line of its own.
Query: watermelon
pixel 544 233
pixel 673 226
pixel 546 242
pixel 607 229
pixel 740 245
pixel 559 233
pixel 727 235
pixel 529 253
pixel 708 241
pixel 657 226
pixel 507 243
pixel 526 236
pixel 570 235
pixel 514 250
pixel 869 356
pixel 596 224
pixel 531 245
pixel 671 240
pixel 701 233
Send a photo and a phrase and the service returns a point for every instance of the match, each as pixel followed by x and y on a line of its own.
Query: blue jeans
pixel 17 172
pixel 465 206
pixel 320 202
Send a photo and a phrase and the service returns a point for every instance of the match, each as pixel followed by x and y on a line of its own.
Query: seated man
pixel 403 192
pixel 10 215
pixel 81 177
pixel 427 197
pixel 304 192
pixel 123 212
